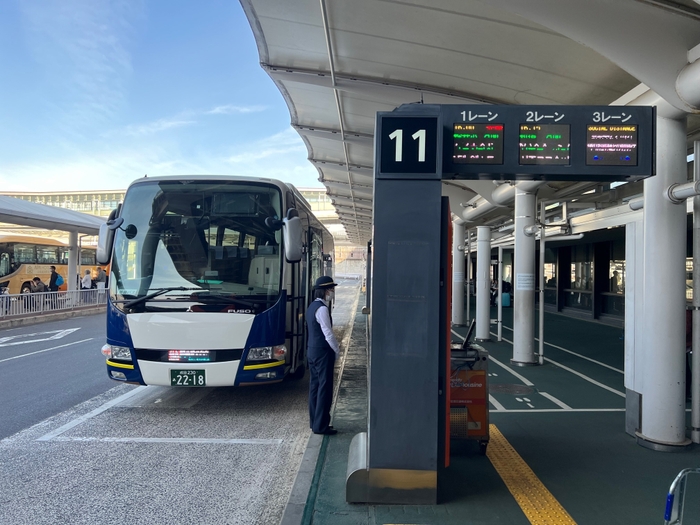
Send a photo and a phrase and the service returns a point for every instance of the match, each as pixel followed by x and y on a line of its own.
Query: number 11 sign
pixel 409 145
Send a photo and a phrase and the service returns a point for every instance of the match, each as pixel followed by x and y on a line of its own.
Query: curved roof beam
pixel 365 84
pixel 647 39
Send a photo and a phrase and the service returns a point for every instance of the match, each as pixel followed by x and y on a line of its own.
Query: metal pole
pixel 663 418
pixel 542 246
pixel 483 267
pixel 524 303
pixel 73 261
pixel 500 293
pixel 458 273
pixel 469 277
pixel 695 384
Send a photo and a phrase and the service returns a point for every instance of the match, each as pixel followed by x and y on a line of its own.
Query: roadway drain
pixel 507 388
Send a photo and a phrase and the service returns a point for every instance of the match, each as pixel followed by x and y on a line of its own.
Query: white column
pixel 663 397
pixel 458 273
pixel 695 376
pixel 524 296
pixel 73 255
pixel 483 268
pixel 468 265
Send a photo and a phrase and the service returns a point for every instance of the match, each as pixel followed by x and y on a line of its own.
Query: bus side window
pixel 4 264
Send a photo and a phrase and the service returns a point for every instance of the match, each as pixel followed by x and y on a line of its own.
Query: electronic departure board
pixel 544 144
pixel 478 143
pixel 614 145
pixel 564 143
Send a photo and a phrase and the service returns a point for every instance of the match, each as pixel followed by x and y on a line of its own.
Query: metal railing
pixel 23 305
pixel 676 497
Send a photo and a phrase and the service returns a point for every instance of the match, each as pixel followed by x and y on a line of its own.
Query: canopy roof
pixel 337 63
pixel 18 211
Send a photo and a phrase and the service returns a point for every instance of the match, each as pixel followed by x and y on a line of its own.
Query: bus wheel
pixel 298 373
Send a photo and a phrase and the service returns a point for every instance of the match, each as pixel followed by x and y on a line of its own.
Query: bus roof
pixel 237 178
pixel 30 239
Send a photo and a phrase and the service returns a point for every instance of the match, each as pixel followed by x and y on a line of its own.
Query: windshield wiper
pixel 159 291
pixel 226 300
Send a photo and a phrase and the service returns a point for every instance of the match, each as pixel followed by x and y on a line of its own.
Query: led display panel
pixel 611 145
pixel 477 143
pixel 545 144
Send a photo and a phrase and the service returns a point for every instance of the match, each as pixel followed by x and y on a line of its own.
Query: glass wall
pixel 579 295
pixel 550 276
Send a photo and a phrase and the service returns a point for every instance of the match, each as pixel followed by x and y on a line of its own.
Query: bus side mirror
pixel 293 236
pixel 104 244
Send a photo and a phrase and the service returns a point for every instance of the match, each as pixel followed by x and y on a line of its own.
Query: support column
pixel 483 267
pixel 663 397
pixel 73 255
pixel 458 273
pixel 524 289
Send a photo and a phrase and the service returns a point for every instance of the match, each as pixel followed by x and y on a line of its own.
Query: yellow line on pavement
pixel 538 504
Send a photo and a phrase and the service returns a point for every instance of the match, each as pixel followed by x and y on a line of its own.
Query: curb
pixel 294 511
pixel 45 318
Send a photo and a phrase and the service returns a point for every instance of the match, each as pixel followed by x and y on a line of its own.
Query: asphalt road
pixel 78 448
pixel 48 368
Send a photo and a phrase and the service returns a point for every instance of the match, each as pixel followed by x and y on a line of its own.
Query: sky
pixel 97 93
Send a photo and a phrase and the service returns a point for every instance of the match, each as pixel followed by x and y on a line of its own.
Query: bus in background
pixel 23 257
pixel 210 280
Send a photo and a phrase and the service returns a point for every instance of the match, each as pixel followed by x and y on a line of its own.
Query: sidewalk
pixel 582 455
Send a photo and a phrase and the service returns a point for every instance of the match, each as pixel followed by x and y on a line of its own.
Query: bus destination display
pixel 614 145
pixel 478 143
pixel 545 144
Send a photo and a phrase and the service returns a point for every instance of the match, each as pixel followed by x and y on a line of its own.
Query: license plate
pixel 187 378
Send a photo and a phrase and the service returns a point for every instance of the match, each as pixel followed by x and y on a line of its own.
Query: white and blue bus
pixel 210 280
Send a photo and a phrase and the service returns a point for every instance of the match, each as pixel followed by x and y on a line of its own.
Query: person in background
pixel 37 285
pixel 322 351
pixel 53 286
pixel 101 278
pixel 86 282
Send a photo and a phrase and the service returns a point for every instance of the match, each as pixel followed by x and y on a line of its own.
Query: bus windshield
pixel 198 241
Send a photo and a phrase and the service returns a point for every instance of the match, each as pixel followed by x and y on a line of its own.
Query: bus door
pixel 296 309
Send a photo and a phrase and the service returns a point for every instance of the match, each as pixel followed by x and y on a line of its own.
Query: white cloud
pixel 83 49
pixel 230 109
pixel 282 143
pixel 157 126
pixel 281 156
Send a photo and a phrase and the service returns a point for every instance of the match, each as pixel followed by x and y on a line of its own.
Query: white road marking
pixel 525 380
pixel 576 354
pixel 499 407
pixel 57 334
pixel 45 350
pixel 582 376
pixel 109 404
pixel 556 410
pixel 211 441
pixel 555 400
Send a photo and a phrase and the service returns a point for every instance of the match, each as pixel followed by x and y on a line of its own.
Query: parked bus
pixel 23 257
pixel 210 281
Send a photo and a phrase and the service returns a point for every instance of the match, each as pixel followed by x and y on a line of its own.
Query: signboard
pixel 564 143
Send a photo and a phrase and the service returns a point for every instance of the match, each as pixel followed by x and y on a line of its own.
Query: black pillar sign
pixel 408 146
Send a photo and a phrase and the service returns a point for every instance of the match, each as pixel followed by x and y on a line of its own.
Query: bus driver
pixel 322 352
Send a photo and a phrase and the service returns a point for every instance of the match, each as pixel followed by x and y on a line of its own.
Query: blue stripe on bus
pixel 268 329
pixel 118 334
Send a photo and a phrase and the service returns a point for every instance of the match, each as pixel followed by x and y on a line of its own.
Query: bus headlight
pixel 123 353
pixel 267 353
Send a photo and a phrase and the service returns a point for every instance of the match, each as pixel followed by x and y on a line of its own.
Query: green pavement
pixel 583 456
